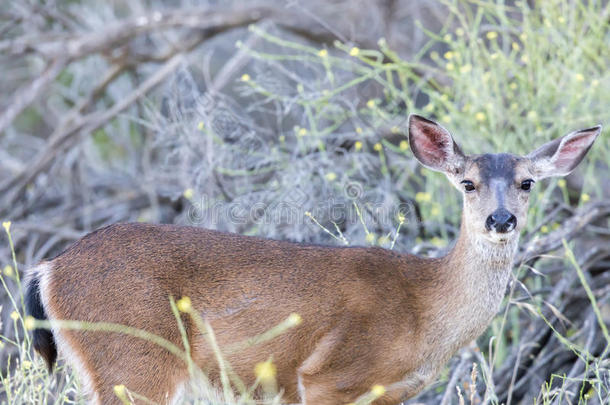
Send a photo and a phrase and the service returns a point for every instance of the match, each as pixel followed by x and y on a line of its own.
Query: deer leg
pixel 321 390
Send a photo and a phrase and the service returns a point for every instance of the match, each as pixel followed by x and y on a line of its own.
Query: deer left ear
pixel 433 146
pixel 560 156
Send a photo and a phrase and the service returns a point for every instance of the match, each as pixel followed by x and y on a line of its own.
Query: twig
pixel 457 374
pixel 570 228
pixel 27 94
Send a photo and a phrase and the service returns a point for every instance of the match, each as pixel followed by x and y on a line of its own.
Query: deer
pixel 370 316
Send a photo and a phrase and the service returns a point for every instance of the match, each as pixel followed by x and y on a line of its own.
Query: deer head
pixel 495 186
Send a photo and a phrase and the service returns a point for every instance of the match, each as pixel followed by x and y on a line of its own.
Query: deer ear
pixel 560 156
pixel 433 146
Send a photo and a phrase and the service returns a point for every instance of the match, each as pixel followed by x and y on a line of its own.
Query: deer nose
pixel 501 220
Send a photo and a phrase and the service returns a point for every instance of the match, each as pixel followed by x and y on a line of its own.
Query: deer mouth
pixel 500 238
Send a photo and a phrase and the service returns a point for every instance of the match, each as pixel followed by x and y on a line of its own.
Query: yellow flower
pixel 394 130
pixel 370 103
pixel 544 229
pixel 370 238
pixel 448 55
pixel 184 304
pixel 322 53
pixel 421 197
pixel 585 197
pixel 244 78
pixel 435 211
pixel 401 217
pixel 513 86
pixel 466 68
pixel 358 145
pixel 378 390
pixel 200 126
pixel 29 322
pixel 265 371
pixel 282 138
pixel 447 37
pixel 14 315
pixel 434 55
pixel 6 225
pixel 523 37
pixel 120 392
pixel 494 56
pixel 377 147
pixel 26 364
pixel 354 51
pixel 579 77
pixel 302 132
pixel 561 19
pixel 562 183
pixel 438 242
pixel 516 46
pixel 492 35
pixel 429 107
pixel 446 118
pixel 295 319
pixel 358 130
pixel 403 146
pixel 188 193
pixel 8 270
pixel 480 116
pixel 331 176
pixel 525 59
pixel 449 66
pixel 459 32
pixel 532 115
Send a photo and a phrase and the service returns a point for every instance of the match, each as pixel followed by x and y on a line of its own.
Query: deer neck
pixel 474 276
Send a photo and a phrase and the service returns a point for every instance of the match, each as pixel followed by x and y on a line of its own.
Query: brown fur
pixel 357 294
pixel 370 316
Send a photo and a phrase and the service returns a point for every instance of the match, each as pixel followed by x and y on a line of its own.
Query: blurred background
pixel 286 119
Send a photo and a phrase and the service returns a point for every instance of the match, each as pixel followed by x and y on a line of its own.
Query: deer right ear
pixel 433 146
pixel 561 156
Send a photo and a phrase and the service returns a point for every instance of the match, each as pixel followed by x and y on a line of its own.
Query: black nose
pixel 501 220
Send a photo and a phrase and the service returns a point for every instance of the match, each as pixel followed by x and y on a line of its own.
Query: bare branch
pixel 26 95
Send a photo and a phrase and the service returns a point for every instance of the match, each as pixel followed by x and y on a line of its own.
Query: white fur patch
pixel 301 388
pixel 44 273
pixel 178 397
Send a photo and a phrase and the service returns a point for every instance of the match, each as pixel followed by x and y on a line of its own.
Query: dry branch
pixel 571 227
pixel 88 124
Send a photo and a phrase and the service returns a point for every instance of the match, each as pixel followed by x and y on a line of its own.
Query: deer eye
pixel 526 185
pixel 468 185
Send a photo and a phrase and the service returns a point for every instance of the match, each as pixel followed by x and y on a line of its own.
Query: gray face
pixel 496 190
